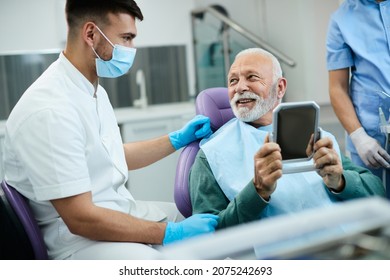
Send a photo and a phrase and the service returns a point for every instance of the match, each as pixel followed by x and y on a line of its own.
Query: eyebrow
pixel 130 34
pixel 229 76
pixel 245 73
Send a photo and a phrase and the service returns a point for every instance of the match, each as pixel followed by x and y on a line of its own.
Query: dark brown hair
pixel 80 11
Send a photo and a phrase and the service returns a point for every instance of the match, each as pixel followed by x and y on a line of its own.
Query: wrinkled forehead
pixel 255 63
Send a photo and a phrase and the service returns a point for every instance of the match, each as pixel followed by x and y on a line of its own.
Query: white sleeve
pixel 51 146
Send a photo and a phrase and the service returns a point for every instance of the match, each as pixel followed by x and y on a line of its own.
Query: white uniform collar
pixel 77 77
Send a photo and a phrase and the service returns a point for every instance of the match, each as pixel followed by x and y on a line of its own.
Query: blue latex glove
pixel 192 226
pixel 198 127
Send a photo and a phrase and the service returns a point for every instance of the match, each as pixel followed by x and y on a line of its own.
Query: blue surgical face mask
pixel 120 63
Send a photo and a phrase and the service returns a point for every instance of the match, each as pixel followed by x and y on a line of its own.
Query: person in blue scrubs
pixel 358 60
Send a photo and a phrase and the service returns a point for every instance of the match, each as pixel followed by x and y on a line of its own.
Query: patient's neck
pixel 263 121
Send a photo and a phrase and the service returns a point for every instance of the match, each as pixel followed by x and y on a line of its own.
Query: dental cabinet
pixel 154 182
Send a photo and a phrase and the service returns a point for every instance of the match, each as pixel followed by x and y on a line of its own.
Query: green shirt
pixel 207 196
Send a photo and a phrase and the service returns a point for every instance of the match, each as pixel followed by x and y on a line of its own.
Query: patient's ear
pixel 282 87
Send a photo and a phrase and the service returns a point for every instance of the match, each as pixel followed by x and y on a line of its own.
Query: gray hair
pixel 277 69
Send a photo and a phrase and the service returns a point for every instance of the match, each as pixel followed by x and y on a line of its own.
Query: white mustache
pixel 245 95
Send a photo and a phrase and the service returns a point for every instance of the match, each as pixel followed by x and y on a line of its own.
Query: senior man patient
pixel 237 173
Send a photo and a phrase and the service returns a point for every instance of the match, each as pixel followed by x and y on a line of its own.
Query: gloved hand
pixel 198 127
pixel 192 226
pixel 369 150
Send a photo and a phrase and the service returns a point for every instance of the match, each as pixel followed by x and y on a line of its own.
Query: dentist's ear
pixel 89 33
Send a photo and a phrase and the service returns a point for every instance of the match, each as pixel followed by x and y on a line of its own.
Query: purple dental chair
pixel 213 103
pixel 21 238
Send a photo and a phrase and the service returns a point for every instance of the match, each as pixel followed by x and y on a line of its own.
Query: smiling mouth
pixel 245 101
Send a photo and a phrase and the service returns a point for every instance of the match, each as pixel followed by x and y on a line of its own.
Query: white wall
pixel 298 28
pixel 31 25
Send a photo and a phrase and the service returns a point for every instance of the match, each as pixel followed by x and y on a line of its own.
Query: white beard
pixel 261 107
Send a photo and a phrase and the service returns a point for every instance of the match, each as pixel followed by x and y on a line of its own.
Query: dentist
pixel 64 153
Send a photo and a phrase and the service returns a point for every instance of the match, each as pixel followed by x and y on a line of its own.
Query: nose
pixel 241 86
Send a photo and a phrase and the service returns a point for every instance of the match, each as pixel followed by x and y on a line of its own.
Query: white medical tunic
pixel 62 141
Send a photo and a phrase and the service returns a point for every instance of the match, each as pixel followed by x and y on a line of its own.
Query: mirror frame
pixel 296 164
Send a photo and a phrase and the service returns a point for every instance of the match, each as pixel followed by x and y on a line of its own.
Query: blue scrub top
pixel 359 38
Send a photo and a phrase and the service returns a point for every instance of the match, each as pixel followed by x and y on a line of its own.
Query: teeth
pixel 245 100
